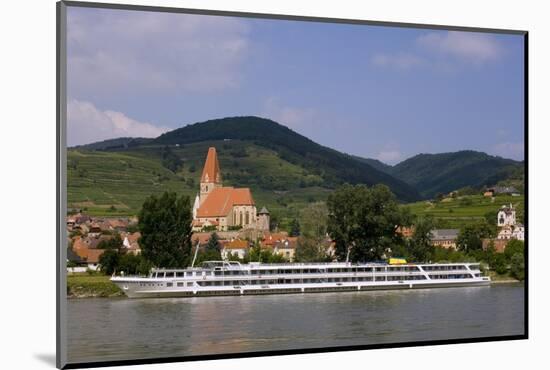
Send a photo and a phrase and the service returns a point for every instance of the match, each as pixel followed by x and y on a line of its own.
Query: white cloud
pixel 403 61
pixel 513 150
pixel 472 47
pixel 299 119
pixel 113 51
pixel 87 124
pixel 389 156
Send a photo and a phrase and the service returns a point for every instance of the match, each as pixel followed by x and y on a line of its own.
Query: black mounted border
pixel 61 338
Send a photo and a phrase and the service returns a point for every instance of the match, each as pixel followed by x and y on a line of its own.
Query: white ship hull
pixel 313 278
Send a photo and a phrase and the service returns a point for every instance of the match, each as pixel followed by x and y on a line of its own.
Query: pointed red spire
pixel 211 171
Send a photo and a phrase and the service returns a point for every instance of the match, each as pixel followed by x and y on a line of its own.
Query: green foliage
pixel 170 160
pixel 109 261
pixel 452 214
pixel 165 225
pixel 310 250
pixel 514 247
pixel 213 243
pixel 335 168
pixel 112 243
pixel 294 228
pixel 442 173
pixel 500 263
pixel 517 268
pixel 449 255
pixel 491 217
pixel 208 255
pixel 94 285
pixel 133 264
pixel 420 245
pixel 314 220
pixel 470 237
pixel 363 221
pixel 257 254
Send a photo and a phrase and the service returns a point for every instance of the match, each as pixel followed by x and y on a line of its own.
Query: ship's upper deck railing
pixel 234 265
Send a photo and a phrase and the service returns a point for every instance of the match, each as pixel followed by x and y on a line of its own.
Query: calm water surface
pixel 118 329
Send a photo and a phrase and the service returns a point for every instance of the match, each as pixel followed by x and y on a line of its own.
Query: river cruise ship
pixel 232 278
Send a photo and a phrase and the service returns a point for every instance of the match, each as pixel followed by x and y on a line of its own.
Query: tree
pixel 213 243
pixel 500 264
pixel 363 221
pixel 314 220
pixel 517 266
pixel 165 225
pixel 514 247
pixel 294 228
pixel 491 217
pixel 469 238
pixel 129 263
pixel 112 243
pixel 310 250
pixel 109 261
pixel 420 245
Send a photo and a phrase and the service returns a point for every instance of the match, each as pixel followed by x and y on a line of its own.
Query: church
pixel 225 208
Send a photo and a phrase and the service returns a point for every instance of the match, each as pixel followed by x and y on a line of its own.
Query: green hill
pixel 460 211
pixel 285 171
pixel 441 173
pixel 333 167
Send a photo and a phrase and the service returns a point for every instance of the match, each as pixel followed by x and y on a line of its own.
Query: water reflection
pixel 110 329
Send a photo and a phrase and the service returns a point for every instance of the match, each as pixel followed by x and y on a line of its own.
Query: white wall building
pixel 506 216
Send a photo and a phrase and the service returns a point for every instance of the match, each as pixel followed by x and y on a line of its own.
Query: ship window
pixel 189 284
pixel 180 284
pixel 170 274
pixel 179 274
pixel 160 274
pixel 169 284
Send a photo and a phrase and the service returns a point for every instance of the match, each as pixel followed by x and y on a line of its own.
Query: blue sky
pixel 379 92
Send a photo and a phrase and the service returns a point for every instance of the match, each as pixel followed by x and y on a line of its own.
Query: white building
pixel 506 216
pixel 506 220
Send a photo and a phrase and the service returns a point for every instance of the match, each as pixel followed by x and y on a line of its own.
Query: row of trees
pixel 363 222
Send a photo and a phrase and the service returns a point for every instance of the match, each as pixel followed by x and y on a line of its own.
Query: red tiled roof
pixel 211 171
pixel 202 238
pixel 236 244
pixel 221 200
pixel 93 255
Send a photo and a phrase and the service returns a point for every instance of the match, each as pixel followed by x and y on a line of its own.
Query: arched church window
pixel 247 218
pixel 241 221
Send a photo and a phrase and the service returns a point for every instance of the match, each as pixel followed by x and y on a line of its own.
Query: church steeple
pixel 211 175
pixel 211 171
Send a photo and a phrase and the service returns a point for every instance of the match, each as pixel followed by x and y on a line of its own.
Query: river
pixel 119 329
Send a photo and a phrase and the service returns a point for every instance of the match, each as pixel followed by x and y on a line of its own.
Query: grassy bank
pixel 502 278
pixel 88 286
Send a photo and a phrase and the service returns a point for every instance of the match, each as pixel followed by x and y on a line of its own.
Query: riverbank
pixel 91 286
pixel 503 279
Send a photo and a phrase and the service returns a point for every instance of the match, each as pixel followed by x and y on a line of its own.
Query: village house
pixel 504 190
pixel 286 248
pixel 223 208
pixel 130 243
pixel 86 249
pixel 444 238
pixel 235 247
pixel 508 229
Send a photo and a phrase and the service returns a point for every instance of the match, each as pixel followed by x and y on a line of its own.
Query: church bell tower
pixel 211 176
